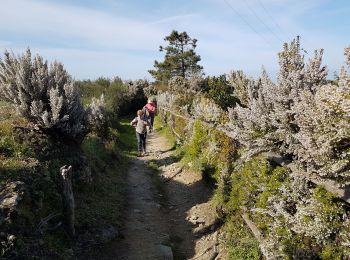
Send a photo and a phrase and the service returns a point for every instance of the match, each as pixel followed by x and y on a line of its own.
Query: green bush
pixel 122 98
pixel 254 182
pixel 221 92
pixel 9 146
pixel 194 148
pixel 241 243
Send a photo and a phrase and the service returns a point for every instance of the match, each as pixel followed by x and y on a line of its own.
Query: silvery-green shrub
pixel 43 93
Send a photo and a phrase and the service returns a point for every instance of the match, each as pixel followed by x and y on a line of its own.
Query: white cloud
pixel 115 44
pixel 46 20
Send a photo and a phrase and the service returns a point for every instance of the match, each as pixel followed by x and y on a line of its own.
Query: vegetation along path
pixel 169 215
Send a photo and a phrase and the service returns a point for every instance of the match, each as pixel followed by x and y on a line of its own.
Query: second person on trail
pixel 141 132
pixel 149 111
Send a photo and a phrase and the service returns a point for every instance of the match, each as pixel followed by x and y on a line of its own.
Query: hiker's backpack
pixel 146 114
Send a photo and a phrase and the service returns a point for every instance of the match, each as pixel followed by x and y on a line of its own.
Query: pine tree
pixel 180 58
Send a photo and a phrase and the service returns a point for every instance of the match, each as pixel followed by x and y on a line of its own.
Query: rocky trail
pixel 169 215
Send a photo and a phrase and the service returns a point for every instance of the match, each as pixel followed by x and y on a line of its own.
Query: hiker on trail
pixel 149 112
pixel 141 132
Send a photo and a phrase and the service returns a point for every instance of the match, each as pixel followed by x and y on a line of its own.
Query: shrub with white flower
pixel 303 117
pixel 205 109
pixel 347 55
pixel 323 118
pixel 251 125
pixel 239 81
pixel 42 93
pixel 97 116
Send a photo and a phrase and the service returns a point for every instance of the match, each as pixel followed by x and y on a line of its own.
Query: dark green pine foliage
pixel 180 58
pixel 221 92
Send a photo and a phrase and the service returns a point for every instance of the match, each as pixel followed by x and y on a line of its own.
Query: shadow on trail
pixel 159 160
pixel 184 193
pixel 182 198
pixel 179 216
pixel 166 161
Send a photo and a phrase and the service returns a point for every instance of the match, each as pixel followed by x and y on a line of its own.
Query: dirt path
pixel 168 215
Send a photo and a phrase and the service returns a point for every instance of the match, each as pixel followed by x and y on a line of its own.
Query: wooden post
pixel 68 199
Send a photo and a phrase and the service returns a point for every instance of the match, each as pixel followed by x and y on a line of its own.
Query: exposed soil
pixel 169 211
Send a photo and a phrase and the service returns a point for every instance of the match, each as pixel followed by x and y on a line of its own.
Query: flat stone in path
pixel 166 252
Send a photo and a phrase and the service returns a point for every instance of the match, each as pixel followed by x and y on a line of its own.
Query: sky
pixel 122 37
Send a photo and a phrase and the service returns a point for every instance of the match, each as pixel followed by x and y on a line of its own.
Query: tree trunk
pixel 182 62
pixel 68 199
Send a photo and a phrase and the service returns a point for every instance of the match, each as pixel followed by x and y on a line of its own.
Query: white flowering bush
pixel 42 93
pixel 135 89
pixel 251 125
pixel 303 117
pixel 347 55
pixel 323 119
pixel 299 211
pixel 178 84
pixel 294 78
pixel 270 117
pixel 205 109
pixel 97 116
pixel 197 84
pixel 239 81
pixel 324 132
pixel 166 99
pixel 149 90
pixel 313 219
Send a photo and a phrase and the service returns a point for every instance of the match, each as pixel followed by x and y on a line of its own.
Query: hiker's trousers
pixel 152 120
pixel 141 142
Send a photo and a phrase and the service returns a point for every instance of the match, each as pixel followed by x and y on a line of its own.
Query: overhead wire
pixel 248 24
pixel 270 16
pixel 262 21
